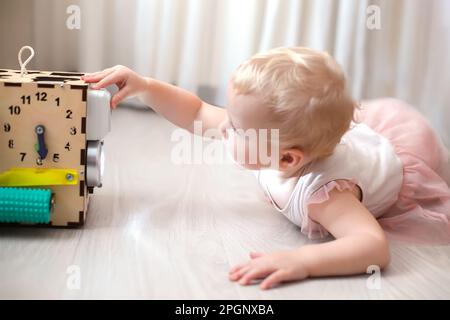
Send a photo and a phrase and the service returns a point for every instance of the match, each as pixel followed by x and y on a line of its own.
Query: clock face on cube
pixel 39 127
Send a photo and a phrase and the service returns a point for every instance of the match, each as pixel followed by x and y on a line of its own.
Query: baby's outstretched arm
pixel 360 242
pixel 177 105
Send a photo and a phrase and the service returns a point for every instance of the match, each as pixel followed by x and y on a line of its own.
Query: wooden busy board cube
pixel 47 141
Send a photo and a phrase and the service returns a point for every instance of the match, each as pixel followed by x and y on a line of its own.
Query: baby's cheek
pixel 252 156
pixel 243 152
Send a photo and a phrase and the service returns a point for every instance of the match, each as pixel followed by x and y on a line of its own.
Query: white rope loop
pixel 23 69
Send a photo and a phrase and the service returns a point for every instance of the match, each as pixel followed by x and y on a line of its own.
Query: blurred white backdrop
pixel 196 44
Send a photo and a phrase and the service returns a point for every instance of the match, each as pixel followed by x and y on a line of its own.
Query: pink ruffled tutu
pixel 421 214
pixel 422 211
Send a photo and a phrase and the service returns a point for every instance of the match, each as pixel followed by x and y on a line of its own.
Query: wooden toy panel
pixel 57 101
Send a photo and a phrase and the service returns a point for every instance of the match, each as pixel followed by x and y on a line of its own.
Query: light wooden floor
pixel 159 230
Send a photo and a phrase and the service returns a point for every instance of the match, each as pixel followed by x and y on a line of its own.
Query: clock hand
pixel 40 146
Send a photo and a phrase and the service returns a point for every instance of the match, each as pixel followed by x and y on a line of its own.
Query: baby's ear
pixel 291 159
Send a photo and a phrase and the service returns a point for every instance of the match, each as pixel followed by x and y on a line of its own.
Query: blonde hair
pixel 306 93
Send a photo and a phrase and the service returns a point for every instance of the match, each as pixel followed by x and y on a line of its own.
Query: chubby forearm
pixel 177 105
pixel 360 243
pixel 351 254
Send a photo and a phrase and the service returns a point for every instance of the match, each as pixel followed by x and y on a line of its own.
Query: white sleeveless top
pixel 362 156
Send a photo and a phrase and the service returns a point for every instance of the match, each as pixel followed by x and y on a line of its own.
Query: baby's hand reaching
pixel 129 82
pixel 274 268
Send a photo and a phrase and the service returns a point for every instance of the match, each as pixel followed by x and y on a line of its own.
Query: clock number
pixel 14 110
pixel 69 114
pixel 7 127
pixel 22 154
pixel 11 144
pixel 26 99
pixel 67 147
pixel 41 96
pixel 57 101
pixel 73 131
pixel 56 157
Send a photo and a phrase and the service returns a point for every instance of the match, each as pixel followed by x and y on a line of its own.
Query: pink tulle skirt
pixel 422 211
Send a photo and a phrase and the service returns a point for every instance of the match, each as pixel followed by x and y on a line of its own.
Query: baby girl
pixel 353 173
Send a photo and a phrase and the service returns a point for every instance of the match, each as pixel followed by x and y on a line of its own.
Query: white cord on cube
pixel 23 69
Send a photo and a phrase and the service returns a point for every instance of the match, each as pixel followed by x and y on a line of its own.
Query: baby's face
pixel 247 132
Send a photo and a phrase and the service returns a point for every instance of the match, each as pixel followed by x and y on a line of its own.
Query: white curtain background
pixel 196 44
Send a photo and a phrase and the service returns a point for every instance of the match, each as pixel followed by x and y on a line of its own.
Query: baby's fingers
pixel 235 276
pixel 275 278
pixel 97 76
pixel 119 96
pixel 112 78
pixel 237 267
pixel 104 71
pixel 256 274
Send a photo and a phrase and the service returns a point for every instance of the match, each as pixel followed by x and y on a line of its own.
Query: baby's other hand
pixel 129 82
pixel 274 268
